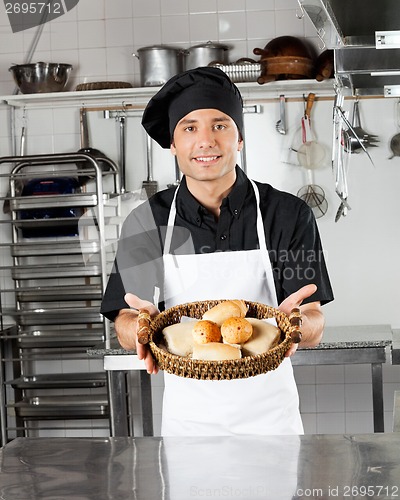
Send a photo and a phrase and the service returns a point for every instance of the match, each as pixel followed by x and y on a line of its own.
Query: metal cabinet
pixel 62 218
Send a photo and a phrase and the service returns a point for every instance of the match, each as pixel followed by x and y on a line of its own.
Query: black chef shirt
pixel 291 233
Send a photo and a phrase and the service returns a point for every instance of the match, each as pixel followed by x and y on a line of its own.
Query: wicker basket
pixel 248 366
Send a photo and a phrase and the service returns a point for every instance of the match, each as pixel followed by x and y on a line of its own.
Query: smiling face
pixel 206 143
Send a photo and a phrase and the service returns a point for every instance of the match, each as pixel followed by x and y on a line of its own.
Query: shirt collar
pixel 190 209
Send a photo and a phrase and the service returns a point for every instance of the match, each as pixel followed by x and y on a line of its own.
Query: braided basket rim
pixel 247 366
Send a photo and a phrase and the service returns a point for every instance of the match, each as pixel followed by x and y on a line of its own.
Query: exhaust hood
pixel 365 37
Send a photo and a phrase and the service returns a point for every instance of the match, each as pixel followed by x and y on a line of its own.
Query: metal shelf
pixel 137 98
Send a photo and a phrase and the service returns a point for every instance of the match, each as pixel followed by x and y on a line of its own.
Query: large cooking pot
pixel 204 54
pixel 158 63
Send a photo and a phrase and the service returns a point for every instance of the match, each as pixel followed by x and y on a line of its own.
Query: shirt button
pixel 223 236
pixel 235 212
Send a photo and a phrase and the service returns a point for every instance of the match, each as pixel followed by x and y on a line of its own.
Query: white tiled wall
pixel 98 37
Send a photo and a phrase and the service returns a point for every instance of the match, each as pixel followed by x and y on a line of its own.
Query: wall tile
pixel 91 9
pixel 146 31
pixel 358 397
pixel 64 35
pixel 391 373
pixel 205 6
pixel 304 374
pixel 388 421
pixel 286 4
pixel 231 6
pixel 120 61
pixel 330 398
pixel 203 27
pixel 174 29
pixel 260 5
pixel 147 8
pixel 330 374
pixel 119 9
pixel 331 423
pixel 232 26
pixel 309 423
pixel 288 24
pixel 357 373
pixel 119 32
pixel 260 24
pixel 91 34
pixel 174 7
pixel 307 395
pixel 43 43
pixel 359 422
pixel 388 395
pixel 92 62
pixel 237 50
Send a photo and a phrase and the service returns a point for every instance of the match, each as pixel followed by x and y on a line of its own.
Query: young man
pixel 219 235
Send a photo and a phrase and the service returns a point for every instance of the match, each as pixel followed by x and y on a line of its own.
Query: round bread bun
pixel 224 310
pixel 236 330
pixel 205 331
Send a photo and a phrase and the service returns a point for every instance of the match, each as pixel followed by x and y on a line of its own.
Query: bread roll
pixel 179 339
pixel 243 306
pixel 265 336
pixel 205 331
pixel 225 310
pixel 236 330
pixel 215 351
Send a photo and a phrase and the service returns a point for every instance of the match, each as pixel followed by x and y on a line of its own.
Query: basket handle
pixel 143 332
pixel 295 324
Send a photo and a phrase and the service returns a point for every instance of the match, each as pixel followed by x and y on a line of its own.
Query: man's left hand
pixel 312 317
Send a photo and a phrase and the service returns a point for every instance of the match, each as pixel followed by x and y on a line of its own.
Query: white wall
pixel 99 37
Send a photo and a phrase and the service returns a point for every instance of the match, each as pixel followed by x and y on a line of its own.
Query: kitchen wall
pixel 99 37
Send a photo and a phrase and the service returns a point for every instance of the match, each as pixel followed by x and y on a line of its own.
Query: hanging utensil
pixel 345 136
pixel 395 140
pixel 121 118
pixel 86 149
pixel 281 123
pixel 358 137
pixel 177 175
pixel 314 196
pixel 18 184
pixel 310 154
pixel 149 186
pixel 340 155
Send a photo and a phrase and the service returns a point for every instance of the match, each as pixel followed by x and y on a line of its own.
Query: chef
pixel 218 235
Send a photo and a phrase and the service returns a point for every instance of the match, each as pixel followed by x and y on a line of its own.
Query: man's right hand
pixel 126 325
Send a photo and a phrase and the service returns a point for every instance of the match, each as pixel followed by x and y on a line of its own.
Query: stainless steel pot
pixel 158 63
pixel 206 53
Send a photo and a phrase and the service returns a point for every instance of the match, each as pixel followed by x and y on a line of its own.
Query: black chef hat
pixel 199 88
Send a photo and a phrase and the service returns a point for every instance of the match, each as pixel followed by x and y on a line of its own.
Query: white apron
pixel 262 405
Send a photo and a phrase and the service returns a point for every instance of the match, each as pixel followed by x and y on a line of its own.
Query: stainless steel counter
pixel 361 344
pixel 250 468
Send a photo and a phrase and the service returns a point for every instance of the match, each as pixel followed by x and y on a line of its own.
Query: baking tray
pixel 56 316
pixel 60 380
pixel 62 270
pixel 60 407
pixel 58 293
pixel 45 248
pixel 41 339
pixel 53 201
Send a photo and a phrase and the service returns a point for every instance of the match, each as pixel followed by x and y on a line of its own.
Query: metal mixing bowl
pixel 41 77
